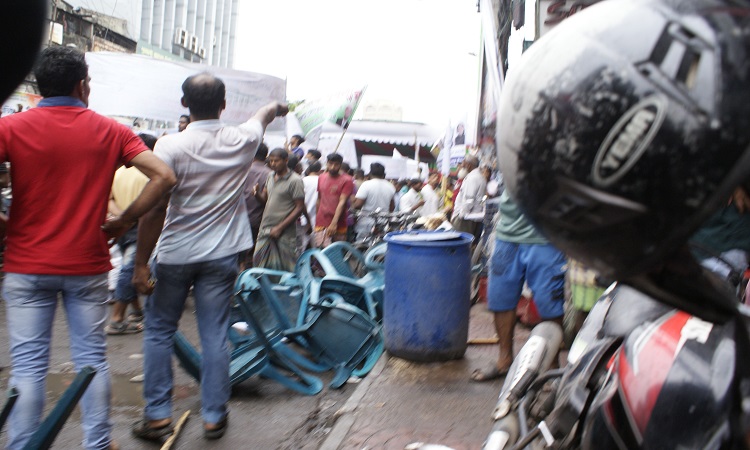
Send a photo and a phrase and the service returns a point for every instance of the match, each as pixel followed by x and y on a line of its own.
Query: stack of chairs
pixel 324 316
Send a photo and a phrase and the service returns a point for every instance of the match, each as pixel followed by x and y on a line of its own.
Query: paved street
pixel 264 414
pixel 399 403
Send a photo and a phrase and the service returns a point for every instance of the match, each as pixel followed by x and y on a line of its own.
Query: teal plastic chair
pixel 247 359
pixel 341 338
pixel 362 288
pixel 50 427
pixel 336 335
pixel 347 260
pixel 8 407
pixel 253 354
pixel 318 276
pixel 255 304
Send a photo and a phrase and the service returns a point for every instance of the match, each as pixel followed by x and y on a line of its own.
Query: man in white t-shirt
pixel 201 228
pixel 375 193
pixel 310 182
pixel 412 201
pixel 431 198
pixel 469 199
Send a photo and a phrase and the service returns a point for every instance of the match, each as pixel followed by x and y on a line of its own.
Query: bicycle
pixel 383 223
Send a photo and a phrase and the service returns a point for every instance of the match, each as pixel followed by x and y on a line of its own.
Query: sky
pixel 418 54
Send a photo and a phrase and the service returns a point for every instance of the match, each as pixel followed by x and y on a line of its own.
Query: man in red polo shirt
pixel 334 189
pixel 63 158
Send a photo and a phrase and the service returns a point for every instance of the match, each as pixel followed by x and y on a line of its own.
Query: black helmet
pixel 22 27
pixel 627 126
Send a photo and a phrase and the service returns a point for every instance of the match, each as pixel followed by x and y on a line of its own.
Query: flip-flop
pixel 135 316
pixel 492 373
pixel 118 328
pixel 216 433
pixel 143 430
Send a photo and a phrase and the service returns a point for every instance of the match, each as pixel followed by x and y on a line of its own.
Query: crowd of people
pixel 187 211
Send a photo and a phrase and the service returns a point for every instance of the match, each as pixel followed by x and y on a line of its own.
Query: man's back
pixel 311 195
pixel 409 200
pixel 431 200
pixel 63 160
pixel 207 215
pixel 377 193
pixel 473 188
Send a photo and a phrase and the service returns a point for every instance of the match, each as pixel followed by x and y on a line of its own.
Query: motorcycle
pixel 639 374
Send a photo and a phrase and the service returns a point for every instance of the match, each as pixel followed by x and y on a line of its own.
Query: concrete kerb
pixel 347 414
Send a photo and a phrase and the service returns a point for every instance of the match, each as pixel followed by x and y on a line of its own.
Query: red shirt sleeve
pixel 132 145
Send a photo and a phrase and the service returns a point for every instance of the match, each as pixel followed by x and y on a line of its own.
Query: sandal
pixel 216 433
pixel 491 373
pixel 135 316
pixel 118 328
pixel 142 430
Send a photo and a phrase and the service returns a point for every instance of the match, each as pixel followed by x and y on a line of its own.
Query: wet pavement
pixel 399 403
pixel 403 402
pixel 264 414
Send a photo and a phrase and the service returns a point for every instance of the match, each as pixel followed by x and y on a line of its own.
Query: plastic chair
pixel 312 267
pixel 246 360
pixel 341 337
pixel 374 279
pixel 375 257
pixel 48 430
pixel 346 259
pixel 255 350
pixel 12 397
pixel 258 304
pixel 337 335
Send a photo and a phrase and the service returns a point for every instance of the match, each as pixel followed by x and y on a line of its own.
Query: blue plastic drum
pixel 426 300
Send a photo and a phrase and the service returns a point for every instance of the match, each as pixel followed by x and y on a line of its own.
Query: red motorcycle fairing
pixel 670 386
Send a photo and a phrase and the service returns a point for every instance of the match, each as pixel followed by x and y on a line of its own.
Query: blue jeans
pixel 124 289
pixel 31 301
pixel 213 286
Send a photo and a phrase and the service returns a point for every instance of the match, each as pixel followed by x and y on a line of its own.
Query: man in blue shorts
pixel 521 254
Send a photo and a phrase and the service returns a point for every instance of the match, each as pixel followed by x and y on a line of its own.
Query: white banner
pixel 140 86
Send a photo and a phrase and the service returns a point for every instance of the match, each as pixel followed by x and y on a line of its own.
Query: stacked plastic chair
pixel 335 335
pixel 322 317
pixel 258 349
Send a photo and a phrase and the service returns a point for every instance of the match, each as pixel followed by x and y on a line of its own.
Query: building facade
pixel 201 31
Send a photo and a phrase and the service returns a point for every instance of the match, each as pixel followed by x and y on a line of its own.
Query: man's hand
pixel 275 232
pixel 741 200
pixel 116 227
pixel 331 230
pixel 282 109
pixel 142 280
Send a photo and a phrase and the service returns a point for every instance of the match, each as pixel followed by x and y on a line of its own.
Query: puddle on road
pixel 124 392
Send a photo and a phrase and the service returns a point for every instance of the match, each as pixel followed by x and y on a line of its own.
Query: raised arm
pixel 266 114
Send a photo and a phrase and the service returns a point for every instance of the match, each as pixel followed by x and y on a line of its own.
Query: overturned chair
pixel 334 335
pixel 255 351
pixel 283 327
